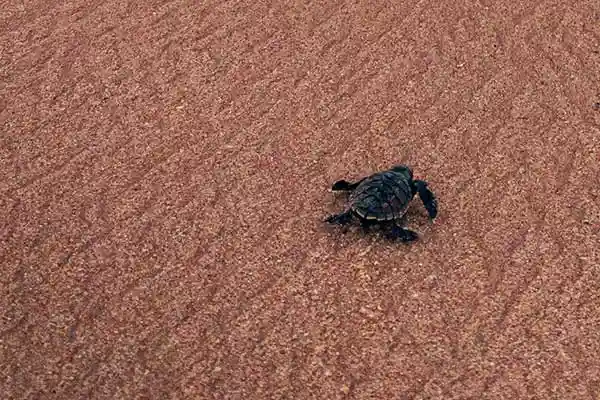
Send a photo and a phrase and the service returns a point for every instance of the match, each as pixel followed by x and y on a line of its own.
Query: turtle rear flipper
pixel 340 219
pixel 427 197
pixel 344 185
pixel 403 234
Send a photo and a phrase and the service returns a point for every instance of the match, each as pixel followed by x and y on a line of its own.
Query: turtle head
pixel 404 170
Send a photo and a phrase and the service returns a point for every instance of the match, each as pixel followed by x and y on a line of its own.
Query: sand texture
pixel 165 169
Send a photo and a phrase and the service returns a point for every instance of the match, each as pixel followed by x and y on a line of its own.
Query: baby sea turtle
pixel 383 198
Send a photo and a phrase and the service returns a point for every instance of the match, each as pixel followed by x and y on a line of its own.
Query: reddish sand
pixel 165 171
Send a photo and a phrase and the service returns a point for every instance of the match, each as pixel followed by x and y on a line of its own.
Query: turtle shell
pixel 382 197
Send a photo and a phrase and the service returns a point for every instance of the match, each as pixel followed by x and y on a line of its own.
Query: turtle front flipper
pixel 403 234
pixel 427 197
pixel 344 185
pixel 340 219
